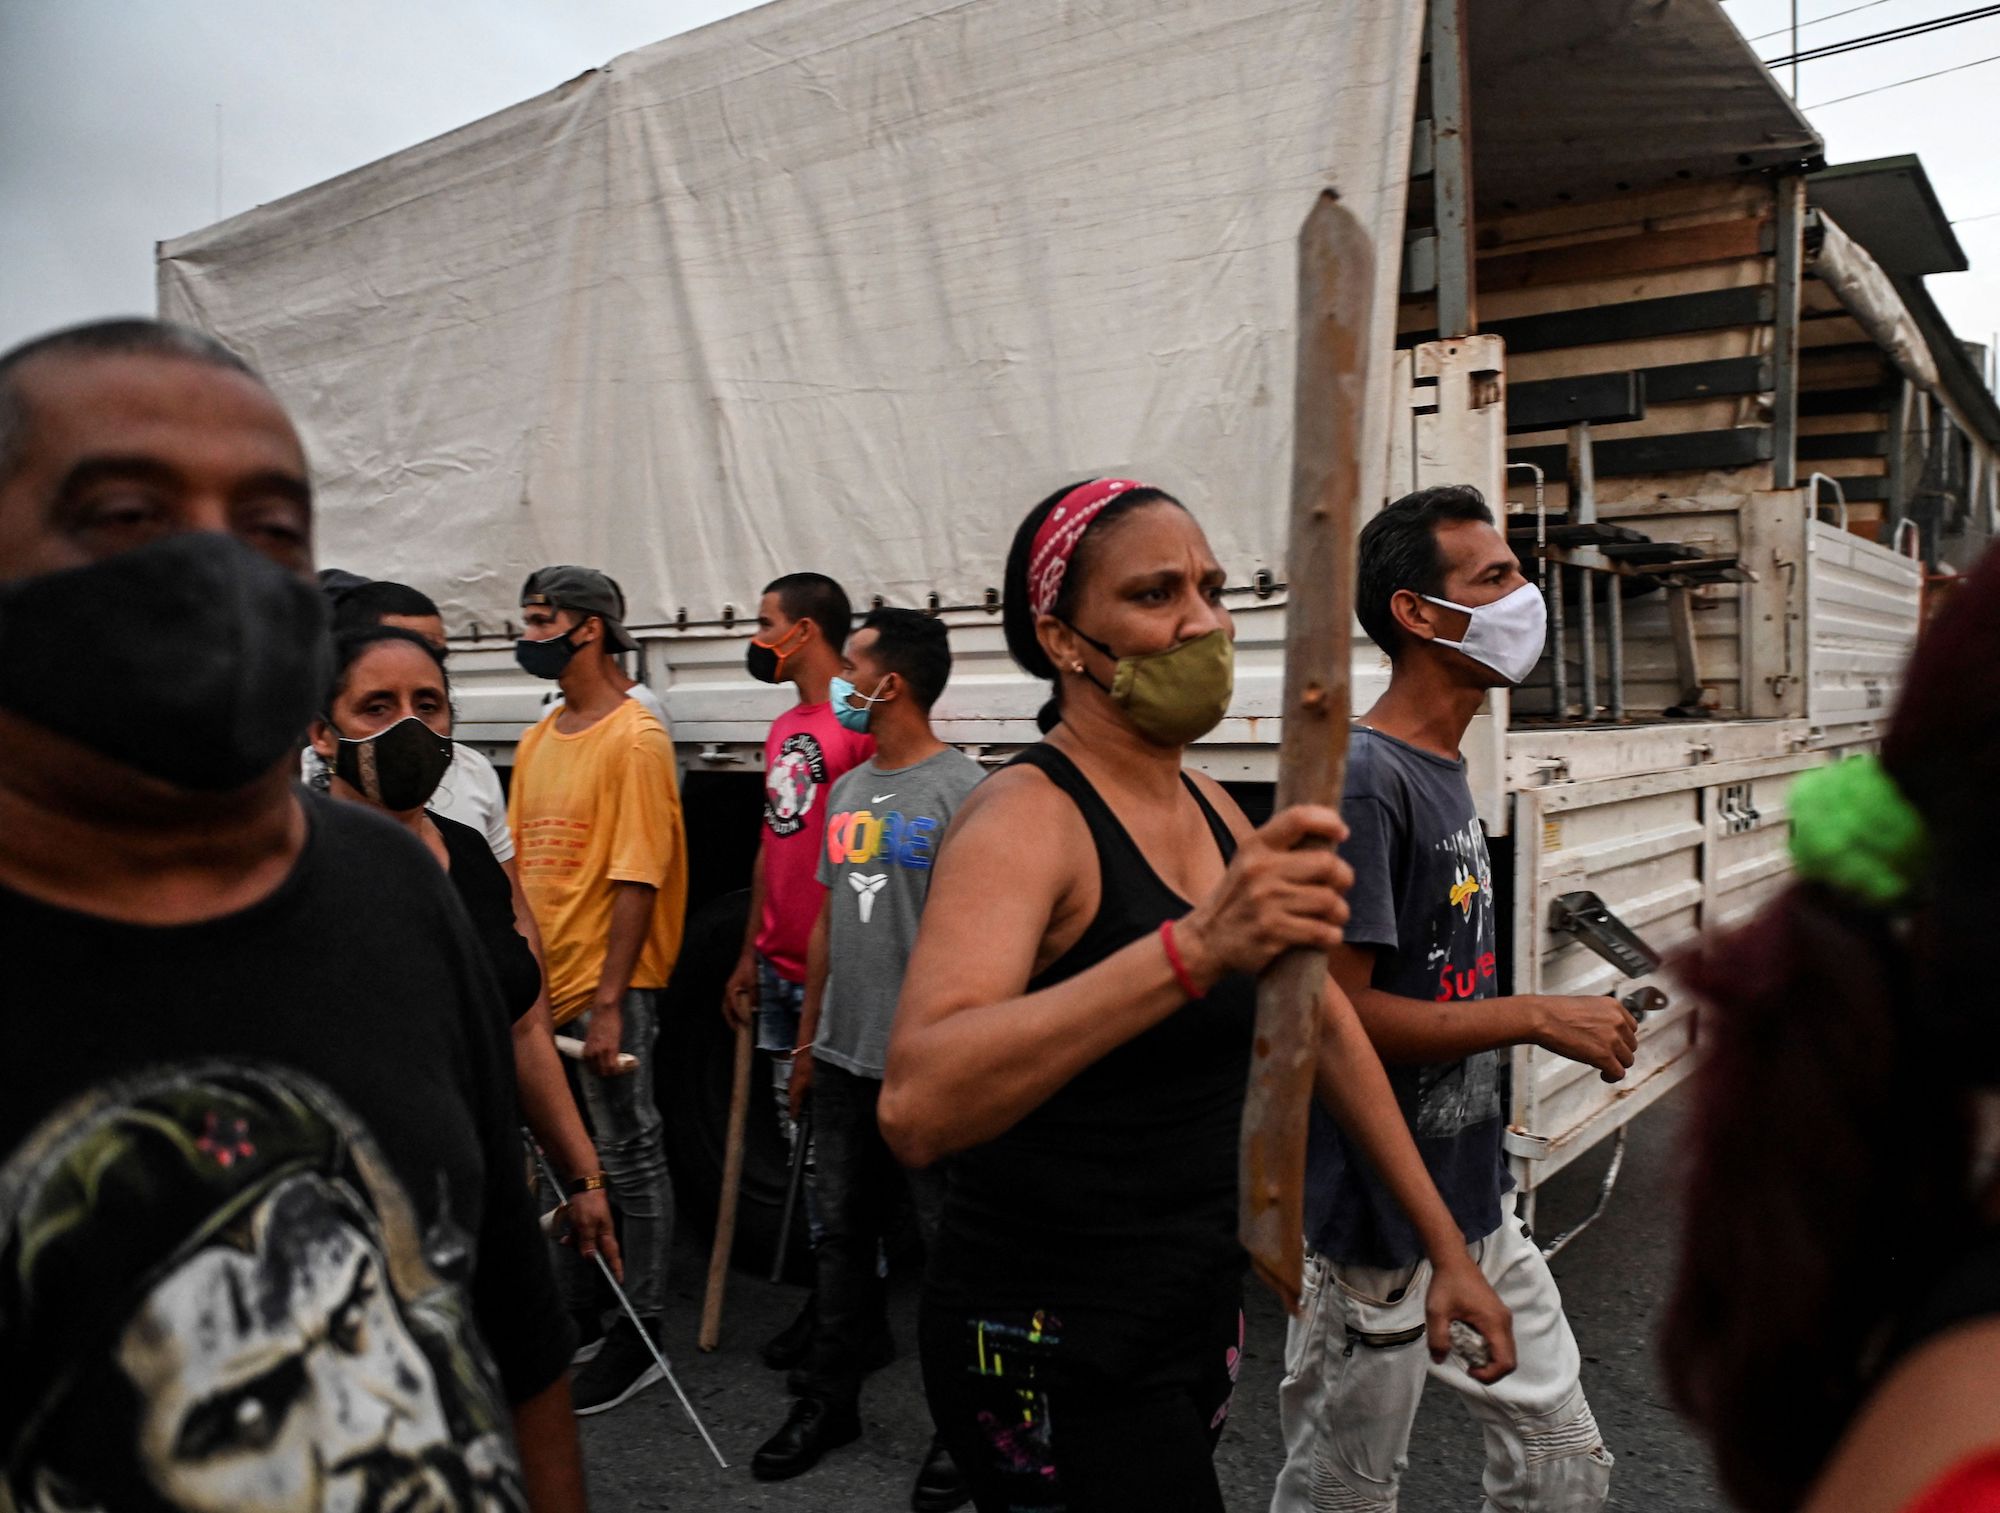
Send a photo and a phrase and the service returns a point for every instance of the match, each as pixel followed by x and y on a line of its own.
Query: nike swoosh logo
pixel 881 798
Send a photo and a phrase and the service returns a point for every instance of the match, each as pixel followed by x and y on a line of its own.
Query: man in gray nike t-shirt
pixel 883 826
pixel 885 821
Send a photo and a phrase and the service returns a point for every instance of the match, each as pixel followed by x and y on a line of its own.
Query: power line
pixel 1876 39
pixel 1829 16
pixel 1918 79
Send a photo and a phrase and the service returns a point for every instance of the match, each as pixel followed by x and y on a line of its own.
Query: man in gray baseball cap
pixel 595 811
pixel 588 592
pixel 584 592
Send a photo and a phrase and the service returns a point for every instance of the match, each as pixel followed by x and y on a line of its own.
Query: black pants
pixel 1085 1413
pixel 861 1191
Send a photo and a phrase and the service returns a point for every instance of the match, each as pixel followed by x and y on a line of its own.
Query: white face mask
pixel 1506 635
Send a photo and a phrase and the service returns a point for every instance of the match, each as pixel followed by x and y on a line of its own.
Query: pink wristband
pixel 1181 977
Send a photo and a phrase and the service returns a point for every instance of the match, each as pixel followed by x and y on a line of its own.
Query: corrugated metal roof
pixel 1888 205
pixel 1582 99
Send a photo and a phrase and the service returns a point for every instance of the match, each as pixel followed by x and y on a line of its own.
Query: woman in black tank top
pixel 1075 1035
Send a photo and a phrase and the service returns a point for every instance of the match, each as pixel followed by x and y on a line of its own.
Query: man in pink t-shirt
pixel 802 624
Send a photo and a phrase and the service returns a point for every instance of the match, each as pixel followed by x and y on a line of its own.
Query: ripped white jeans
pixel 1355 1366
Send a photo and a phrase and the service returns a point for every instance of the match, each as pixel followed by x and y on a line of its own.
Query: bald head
pixel 120 432
pixel 128 337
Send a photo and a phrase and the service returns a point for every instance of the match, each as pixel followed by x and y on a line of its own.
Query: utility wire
pixel 1898 84
pixel 1829 16
pixel 1894 34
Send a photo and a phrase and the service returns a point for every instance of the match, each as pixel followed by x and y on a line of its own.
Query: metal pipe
pixel 1557 632
pixel 1582 475
pixel 1812 495
pixel 659 1359
pixel 1560 673
pixel 801 1143
pixel 1587 601
pixel 1614 628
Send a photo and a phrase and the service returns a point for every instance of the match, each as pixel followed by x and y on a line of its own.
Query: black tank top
pixel 1120 1190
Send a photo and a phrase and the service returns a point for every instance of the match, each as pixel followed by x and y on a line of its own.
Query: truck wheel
pixel 695 1065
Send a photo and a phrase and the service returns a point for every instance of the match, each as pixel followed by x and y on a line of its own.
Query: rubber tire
pixel 696 1063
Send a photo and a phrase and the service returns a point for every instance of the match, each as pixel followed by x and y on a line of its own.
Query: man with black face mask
pixel 596 812
pixel 802 625
pixel 173 907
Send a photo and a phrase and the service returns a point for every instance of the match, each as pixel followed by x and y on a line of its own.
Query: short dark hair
pixel 1399 550
pixel 132 335
pixel 367 603
pixel 815 597
pixel 916 647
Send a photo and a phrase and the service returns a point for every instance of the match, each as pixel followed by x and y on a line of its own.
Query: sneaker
pixel 589 1337
pixel 790 1345
pixel 621 1370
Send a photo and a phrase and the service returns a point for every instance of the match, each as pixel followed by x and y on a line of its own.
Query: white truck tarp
pixel 839 284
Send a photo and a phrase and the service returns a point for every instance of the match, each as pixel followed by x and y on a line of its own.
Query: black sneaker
pixel 793 1343
pixel 812 1428
pixel 621 1371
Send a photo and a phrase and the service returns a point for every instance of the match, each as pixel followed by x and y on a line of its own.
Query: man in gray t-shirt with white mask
pixel 885 821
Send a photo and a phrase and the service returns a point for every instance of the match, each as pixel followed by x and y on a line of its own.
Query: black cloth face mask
pixel 399 768
pixel 546 659
pixel 766 662
pixel 193 659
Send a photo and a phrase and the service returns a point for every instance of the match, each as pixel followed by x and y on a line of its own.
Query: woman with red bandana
pixel 1075 1034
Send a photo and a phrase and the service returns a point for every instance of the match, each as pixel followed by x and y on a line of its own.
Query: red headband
pixel 1061 529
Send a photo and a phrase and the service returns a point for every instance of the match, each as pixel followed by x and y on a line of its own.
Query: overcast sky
pixel 108 115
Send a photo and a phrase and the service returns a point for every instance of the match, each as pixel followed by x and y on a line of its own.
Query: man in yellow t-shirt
pixel 596 814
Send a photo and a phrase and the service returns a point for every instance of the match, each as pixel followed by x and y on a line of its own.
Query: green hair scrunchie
pixel 1853 830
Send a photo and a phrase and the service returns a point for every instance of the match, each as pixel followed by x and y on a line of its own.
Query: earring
pixel 1076 667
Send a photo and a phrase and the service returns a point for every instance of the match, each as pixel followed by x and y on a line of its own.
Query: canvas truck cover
pixel 833 284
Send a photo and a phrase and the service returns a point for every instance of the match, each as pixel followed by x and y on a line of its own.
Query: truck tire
pixel 695 1065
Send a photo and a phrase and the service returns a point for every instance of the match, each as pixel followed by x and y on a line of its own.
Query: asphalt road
pixel 644 1455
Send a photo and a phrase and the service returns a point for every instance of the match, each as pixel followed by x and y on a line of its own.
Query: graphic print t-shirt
pixel 264 1239
pixel 881 839
pixel 807 751
pixel 599 807
pixel 1423 897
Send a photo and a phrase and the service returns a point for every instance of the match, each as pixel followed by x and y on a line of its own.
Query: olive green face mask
pixel 1177 695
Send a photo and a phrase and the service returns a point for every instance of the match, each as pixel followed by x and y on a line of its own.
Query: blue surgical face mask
pixel 856 720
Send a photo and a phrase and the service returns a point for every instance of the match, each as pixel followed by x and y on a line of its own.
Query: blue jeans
pixel 781 1004
pixel 625 1124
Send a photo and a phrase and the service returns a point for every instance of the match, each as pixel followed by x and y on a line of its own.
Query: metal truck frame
pixel 1731 430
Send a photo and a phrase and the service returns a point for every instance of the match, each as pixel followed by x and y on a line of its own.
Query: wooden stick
pixel 732 1182
pixel 1330 405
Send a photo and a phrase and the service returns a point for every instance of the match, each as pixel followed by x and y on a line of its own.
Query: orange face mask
pixel 764 659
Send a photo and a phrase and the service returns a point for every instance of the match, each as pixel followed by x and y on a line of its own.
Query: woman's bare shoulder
pixel 1014 801
pixel 1939 1406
